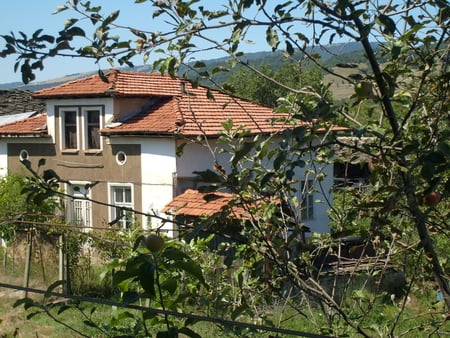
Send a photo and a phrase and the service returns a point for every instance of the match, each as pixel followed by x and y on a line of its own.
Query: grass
pixel 421 316
pixel 420 319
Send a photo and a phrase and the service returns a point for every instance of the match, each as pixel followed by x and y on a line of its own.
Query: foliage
pixel 16 210
pixel 405 97
pixel 252 86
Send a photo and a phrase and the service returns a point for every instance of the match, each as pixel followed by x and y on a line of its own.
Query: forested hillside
pixel 327 56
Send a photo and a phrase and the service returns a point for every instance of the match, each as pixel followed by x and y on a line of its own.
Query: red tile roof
pixel 196 114
pixel 182 108
pixel 195 204
pixel 119 83
pixel 35 125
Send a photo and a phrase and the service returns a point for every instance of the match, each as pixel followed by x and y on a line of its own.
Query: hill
pixel 328 56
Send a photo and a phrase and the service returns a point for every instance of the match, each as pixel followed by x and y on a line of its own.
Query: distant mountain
pixel 329 56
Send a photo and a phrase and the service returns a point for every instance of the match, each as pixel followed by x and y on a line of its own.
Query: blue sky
pixel 30 15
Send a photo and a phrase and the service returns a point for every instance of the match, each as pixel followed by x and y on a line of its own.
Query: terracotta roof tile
pixel 181 108
pixel 188 110
pixel 120 83
pixel 195 204
pixel 35 125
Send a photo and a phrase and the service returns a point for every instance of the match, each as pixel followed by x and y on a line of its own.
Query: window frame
pixel 82 127
pixel 85 123
pixel 124 223
pixel 307 200
pixel 63 131
pixel 86 204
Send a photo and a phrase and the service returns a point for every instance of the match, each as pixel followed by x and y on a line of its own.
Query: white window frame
pixel 62 124
pixel 86 205
pixel 84 117
pixel 81 126
pixel 123 223
pixel 307 200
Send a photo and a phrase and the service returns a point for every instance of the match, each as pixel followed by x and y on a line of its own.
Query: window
pixel 92 129
pixel 307 205
pixel 121 158
pixel 80 207
pixel 23 156
pixel 122 201
pixel 70 129
pixel 80 127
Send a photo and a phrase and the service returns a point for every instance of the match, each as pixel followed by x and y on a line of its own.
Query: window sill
pixel 69 151
pixel 93 152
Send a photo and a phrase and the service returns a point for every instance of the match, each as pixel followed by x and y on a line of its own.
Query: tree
pixel 15 205
pixel 250 85
pixel 405 91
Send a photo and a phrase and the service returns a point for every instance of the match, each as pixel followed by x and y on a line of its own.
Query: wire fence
pixel 28 227
pixel 164 312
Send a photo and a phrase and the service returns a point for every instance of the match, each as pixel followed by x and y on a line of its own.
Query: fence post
pixel 26 277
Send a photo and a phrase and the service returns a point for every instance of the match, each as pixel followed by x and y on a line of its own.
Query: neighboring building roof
pixel 35 125
pixel 6 119
pixel 345 151
pixel 195 204
pixel 16 101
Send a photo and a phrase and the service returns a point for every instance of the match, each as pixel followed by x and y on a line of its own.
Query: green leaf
pixel 60 9
pixel 31 315
pixel 170 285
pixel 64 308
pixel 191 268
pixel 69 23
pixel 272 38
pixel 279 160
pixel 199 64
pixel 444 148
pixel 27 302
pixel 266 178
pixel 113 16
pixel 26 163
pixel 147 277
pixel 189 333
pixel 175 254
pixel 387 23
pixel 130 297
pixel 209 176
pixel 238 311
pixel 53 286
pixel 76 31
pixel 289 48
pixel 171 333
pixel 240 153
pixel 90 323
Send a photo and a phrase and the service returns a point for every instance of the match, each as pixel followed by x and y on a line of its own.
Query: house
pixel 115 141
pixel 16 104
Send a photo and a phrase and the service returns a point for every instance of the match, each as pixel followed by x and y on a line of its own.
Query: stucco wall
pixel 157 168
pixel 197 158
pixel 3 159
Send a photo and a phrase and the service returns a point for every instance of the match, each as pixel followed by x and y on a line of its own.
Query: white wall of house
pixel 52 103
pixel 158 166
pixel 3 159
pixel 198 158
